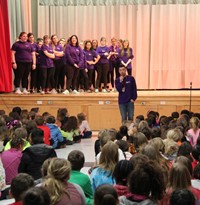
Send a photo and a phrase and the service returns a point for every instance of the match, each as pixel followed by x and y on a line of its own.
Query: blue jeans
pixel 127 110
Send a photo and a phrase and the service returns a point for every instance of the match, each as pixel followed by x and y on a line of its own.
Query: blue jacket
pixel 56 135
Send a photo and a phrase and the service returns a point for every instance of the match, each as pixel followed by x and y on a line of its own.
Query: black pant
pixel 22 73
pixel 111 77
pixel 72 75
pixel 61 81
pixel 82 81
pixel 94 76
pixel 47 78
pixel 35 78
pixel 90 77
pixel 58 70
pixel 102 71
pixel 115 66
pixel 129 71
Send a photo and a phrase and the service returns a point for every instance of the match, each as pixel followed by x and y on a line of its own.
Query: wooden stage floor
pixel 102 108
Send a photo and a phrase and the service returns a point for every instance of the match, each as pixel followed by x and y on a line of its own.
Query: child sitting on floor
pixel 84 127
pixel 70 131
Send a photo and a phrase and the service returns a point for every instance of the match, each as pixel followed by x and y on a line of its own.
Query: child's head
pixel 175 115
pixel 182 197
pixel 77 159
pixel 123 145
pixel 37 136
pixel 146 179
pixel 123 130
pixel 16 142
pixel 179 177
pixel 109 156
pixel 51 119
pixel 36 195
pixel 121 172
pixel 71 125
pixel 58 172
pixel 39 120
pixel 45 167
pixel 81 117
pixel 194 123
pixel 158 144
pixel 21 183
pixel 105 195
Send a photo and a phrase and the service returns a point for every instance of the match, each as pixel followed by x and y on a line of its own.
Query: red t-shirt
pixel 46 131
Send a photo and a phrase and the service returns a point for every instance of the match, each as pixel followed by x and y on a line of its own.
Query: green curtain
pixel 112 2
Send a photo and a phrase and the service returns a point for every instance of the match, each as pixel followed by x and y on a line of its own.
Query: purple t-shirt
pixel 45 61
pixel 38 50
pixel 74 55
pixel 34 45
pixel 23 51
pixel 101 52
pixel 127 89
pixel 90 56
pixel 114 58
pixel 58 48
pixel 125 57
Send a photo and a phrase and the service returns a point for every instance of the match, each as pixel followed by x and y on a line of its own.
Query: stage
pixel 102 108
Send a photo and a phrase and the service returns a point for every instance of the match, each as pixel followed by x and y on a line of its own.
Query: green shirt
pixel 8 146
pixel 69 135
pixel 84 182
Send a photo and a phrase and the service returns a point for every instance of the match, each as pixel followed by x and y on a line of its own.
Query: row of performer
pixel 83 65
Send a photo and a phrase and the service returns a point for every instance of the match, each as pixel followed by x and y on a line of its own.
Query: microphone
pixel 190 105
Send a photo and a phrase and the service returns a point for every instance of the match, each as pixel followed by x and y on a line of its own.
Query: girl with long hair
pixel 74 60
pixel 58 62
pixel 47 67
pixel 103 174
pixel 56 183
pixel 126 56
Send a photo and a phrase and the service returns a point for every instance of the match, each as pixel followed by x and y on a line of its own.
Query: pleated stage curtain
pixel 5 53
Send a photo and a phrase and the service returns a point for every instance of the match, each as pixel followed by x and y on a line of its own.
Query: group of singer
pixel 85 66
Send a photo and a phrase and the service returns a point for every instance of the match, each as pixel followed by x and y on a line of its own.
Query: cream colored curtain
pixel 20 17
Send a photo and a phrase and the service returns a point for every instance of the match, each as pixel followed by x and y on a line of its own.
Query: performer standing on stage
pixel 103 64
pixel 114 61
pixel 126 86
pixel 47 67
pixel 91 58
pixel 58 63
pixel 74 58
pixel 23 58
pixel 34 73
pixel 126 56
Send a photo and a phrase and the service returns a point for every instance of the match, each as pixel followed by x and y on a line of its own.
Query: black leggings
pixel 83 80
pixel 58 71
pixel 129 71
pixel 21 74
pixel 47 78
pixel 72 75
pixel 90 77
pixel 102 71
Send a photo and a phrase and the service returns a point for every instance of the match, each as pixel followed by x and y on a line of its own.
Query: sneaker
pixel 75 92
pixel 42 92
pixel 96 91
pixel 25 92
pixel 53 91
pixel 66 92
pixel 104 91
pixel 18 91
